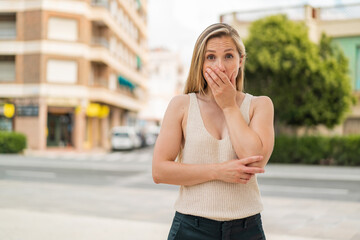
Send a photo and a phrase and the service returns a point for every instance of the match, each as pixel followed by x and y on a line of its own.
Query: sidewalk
pixel 63 152
pixel 37 226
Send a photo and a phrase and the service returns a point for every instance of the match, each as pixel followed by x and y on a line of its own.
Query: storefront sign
pixel 104 111
pixel 97 110
pixel 93 110
pixel 30 111
pixel 7 110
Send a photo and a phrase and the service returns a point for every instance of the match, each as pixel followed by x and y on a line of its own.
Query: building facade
pixel 341 23
pixel 70 70
pixel 166 79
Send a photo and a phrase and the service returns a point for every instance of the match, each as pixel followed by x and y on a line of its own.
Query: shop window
pixel 6 124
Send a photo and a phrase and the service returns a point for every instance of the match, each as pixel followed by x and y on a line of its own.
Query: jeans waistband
pixel 208 221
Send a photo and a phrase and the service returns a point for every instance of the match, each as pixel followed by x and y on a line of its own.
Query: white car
pixel 124 138
pixel 151 135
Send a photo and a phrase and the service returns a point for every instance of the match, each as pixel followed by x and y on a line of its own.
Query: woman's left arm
pixel 257 138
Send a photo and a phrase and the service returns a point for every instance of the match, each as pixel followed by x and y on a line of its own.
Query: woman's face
pixel 222 53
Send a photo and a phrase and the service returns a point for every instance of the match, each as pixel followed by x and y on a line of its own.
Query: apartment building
pixel 70 70
pixel 166 79
pixel 342 23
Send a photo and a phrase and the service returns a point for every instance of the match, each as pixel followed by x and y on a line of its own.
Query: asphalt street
pixel 133 169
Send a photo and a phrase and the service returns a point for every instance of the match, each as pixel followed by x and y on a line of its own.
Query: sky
pixel 176 24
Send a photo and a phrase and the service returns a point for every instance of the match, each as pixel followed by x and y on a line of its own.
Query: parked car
pixel 124 138
pixel 151 135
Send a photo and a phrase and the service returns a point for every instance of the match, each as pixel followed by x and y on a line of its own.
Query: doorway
pixel 60 130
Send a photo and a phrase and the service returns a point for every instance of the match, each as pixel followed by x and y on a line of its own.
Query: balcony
pixel 99 75
pixel 100 34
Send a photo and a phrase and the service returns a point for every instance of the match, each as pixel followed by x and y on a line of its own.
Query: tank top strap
pixel 245 107
pixel 194 115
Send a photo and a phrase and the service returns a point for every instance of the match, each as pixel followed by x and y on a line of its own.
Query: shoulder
pixel 263 104
pixel 178 104
pixel 179 101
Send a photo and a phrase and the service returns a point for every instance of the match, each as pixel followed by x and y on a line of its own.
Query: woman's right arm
pixel 167 147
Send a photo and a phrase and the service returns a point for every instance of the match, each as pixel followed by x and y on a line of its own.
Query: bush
pixel 12 142
pixel 284 150
pixel 346 150
pixel 317 150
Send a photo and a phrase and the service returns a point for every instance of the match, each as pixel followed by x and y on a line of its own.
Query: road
pixel 132 169
pixel 119 185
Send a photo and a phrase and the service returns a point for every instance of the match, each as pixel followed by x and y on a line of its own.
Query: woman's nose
pixel 220 65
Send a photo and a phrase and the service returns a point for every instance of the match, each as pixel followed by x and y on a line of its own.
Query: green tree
pixel 308 83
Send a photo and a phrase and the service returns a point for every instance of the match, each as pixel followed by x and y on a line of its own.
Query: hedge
pixel 12 142
pixel 344 150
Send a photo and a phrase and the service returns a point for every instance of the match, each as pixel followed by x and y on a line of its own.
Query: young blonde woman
pixel 221 138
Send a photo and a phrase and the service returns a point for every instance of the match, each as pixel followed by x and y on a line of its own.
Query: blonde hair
pixel 195 81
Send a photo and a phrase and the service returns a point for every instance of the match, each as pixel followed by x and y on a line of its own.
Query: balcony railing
pixel 101 82
pixel 100 41
pixel 100 3
pixel 340 12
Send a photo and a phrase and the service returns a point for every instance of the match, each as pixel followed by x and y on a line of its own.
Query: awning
pixel 124 82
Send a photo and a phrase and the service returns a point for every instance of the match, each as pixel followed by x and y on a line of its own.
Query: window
pixel 6 124
pixel 127 23
pixel 112 45
pixel 126 56
pixel 7 68
pixel 357 69
pixel 120 51
pixel 120 17
pixel 136 35
pixel 113 8
pixel 61 71
pixel 7 26
pixel 352 126
pixel 62 29
pixel 112 82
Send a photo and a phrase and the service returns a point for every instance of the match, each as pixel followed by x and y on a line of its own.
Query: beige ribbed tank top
pixel 216 200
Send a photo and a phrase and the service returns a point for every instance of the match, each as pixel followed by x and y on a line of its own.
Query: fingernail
pixel 208 69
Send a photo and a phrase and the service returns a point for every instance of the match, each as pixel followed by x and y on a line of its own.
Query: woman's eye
pixel 210 57
pixel 229 56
